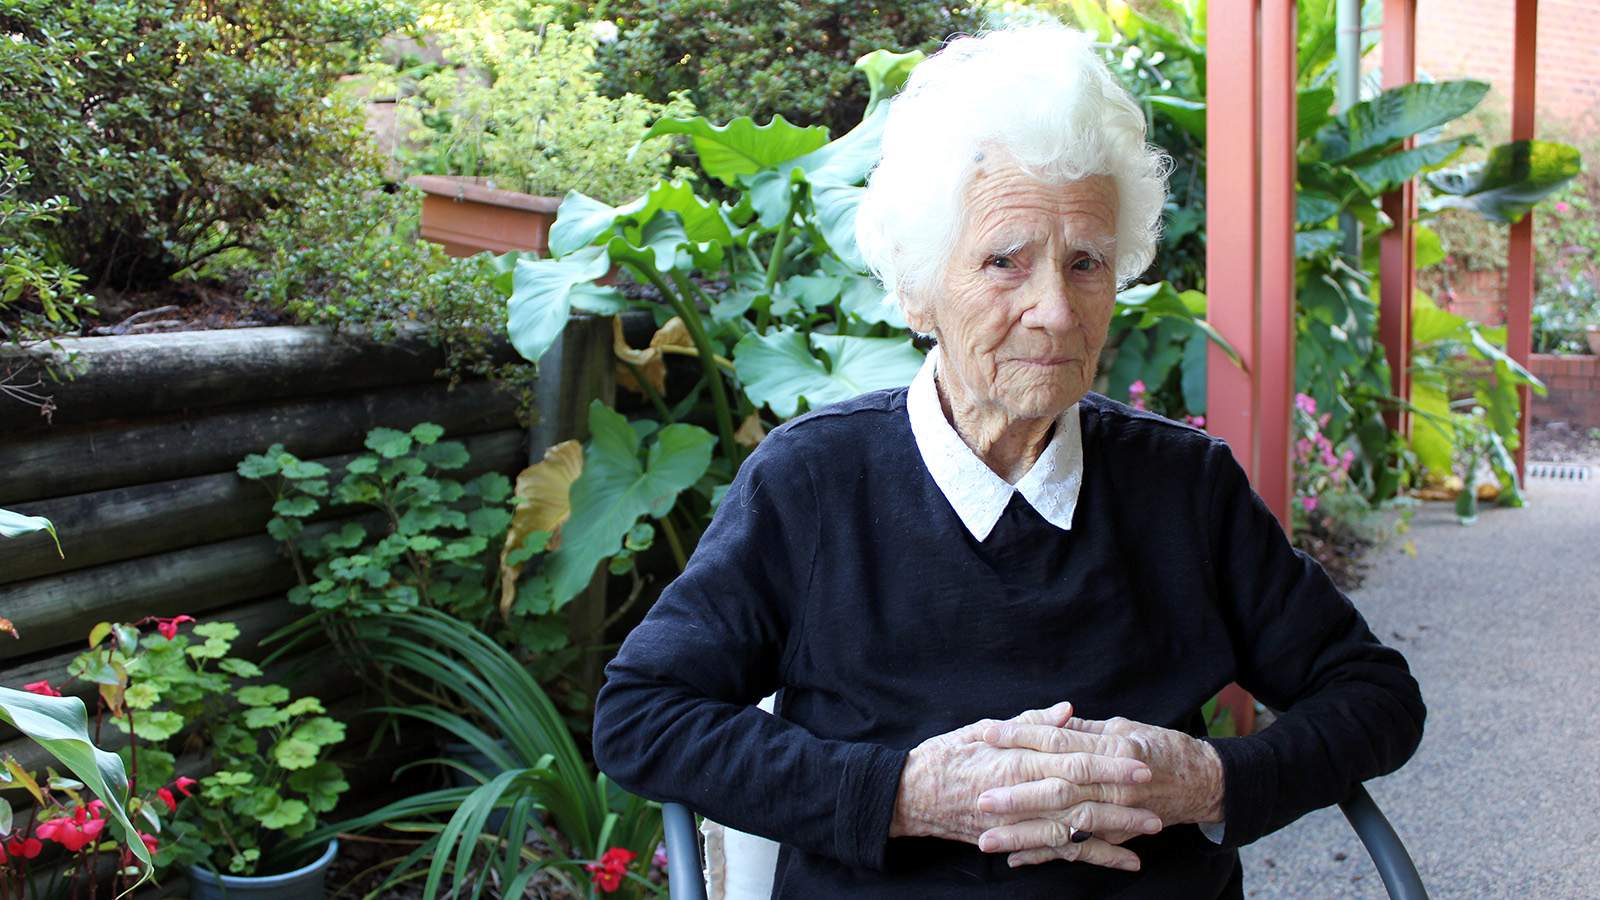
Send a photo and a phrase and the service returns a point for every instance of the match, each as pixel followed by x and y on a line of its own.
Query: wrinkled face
pixel 1028 293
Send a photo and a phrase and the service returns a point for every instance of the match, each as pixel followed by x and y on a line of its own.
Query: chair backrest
pixel 1389 855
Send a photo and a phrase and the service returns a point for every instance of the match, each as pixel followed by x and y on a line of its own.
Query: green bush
pixel 524 108
pixel 763 57
pixel 172 127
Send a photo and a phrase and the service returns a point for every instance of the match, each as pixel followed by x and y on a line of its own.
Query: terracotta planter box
pixel 467 216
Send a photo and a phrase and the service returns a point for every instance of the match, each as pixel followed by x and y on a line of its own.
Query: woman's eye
pixel 1086 264
pixel 997 261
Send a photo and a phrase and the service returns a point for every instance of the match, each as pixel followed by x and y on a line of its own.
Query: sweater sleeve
pixel 676 719
pixel 1350 707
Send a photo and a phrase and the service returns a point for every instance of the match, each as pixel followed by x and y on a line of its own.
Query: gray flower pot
pixel 304 883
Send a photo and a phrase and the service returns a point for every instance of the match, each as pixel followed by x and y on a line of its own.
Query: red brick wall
pixel 1574 383
pixel 1473 39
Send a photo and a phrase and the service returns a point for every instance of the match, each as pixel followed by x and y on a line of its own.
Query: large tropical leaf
pixel 1505 186
pixel 1190 115
pixel 841 163
pixel 780 371
pixel 60 726
pixel 1146 305
pixel 742 147
pixel 542 297
pixel 1372 126
pixel 15 524
pixel 1391 170
pixel 616 488
pixel 581 219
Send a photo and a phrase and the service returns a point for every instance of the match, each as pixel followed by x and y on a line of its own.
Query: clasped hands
pixel 1021 786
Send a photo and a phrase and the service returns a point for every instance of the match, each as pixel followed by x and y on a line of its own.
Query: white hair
pixel 1040 94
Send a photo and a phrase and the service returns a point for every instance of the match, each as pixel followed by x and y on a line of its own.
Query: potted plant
pixel 272 779
pixel 516 122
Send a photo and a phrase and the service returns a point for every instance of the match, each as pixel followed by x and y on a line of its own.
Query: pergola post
pixel 1233 286
pixel 1519 274
pixel 1397 247
pixel 1251 136
pixel 1275 381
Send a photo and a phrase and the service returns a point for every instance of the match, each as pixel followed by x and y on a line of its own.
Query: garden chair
pixel 1389 855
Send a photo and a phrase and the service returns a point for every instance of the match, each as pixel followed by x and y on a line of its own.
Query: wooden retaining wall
pixel 137 472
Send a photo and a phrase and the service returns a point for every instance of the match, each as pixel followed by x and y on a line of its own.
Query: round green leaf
pixel 778 369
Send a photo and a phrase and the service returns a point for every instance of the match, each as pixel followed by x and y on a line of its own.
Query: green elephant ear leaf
pixel 886 73
pixel 1190 115
pixel 841 163
pixel 1514 177
pixel 60 726
pixel 741 147
pixel 616 488
pixel 542 297
pixel 780 371
pixel 581 220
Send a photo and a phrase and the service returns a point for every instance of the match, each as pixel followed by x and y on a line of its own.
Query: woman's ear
pixel 918 312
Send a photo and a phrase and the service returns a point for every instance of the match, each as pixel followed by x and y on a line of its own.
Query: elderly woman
pixel 993 603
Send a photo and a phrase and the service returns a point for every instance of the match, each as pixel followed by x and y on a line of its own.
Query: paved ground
pixel 1501 623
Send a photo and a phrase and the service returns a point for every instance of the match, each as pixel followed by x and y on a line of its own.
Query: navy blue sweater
pixel 836 571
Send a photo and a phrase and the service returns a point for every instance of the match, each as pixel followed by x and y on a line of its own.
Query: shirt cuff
pixel 866 798
pixel 1213 831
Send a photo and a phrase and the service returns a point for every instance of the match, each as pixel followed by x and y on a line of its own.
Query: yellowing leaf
pixel 750 431
pixel 543 504
pixel 647 362
pixel 674 334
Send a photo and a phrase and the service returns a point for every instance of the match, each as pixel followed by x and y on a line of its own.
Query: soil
pixel 181 306
pixel 1563 442
pixel 364 861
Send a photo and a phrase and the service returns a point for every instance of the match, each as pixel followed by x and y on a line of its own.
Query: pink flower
pixel 183 784
pixel 166 797
pixel 1305 404
pixel 1137 388
pixel 1562 207
pixel 169 627
pixel 1309 504
pixel 42 688
pixel 149 840
pixel 1197 421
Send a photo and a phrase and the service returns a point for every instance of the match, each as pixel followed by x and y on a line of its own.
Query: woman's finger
pixel 1107 821
pixel 1053 716
pixel 1043 738
pixel 1093 851
pixel 1084 768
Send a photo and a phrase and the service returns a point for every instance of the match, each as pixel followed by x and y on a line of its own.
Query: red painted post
pixel 1519 274
pixel 1232 226
pixel 1397 269
pixel 1274 374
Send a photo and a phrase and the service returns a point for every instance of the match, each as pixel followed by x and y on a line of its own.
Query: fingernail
pixel 1151 826
pixel 986 843
pixel 1140 776
pixel 985 803
pixel 1011 861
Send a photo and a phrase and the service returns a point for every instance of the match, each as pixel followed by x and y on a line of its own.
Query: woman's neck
pixel 1008 446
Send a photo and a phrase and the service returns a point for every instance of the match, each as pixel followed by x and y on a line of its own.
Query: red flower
pixel 24 848
pixel 42 688
pixel 183 784
pixel 169 627
pixel 149 840
pixel 607 875
pixel 96 809
pixel 166 797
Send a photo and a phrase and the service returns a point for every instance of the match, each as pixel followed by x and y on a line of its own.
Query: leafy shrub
pixel 763 57
pixel 347 257
pixel 525 109
pixel 172 127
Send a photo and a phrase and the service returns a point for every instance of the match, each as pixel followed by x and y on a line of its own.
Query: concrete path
pixel 1500 622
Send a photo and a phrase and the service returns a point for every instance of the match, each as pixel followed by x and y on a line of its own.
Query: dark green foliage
pixel 763 57
pixel 173 126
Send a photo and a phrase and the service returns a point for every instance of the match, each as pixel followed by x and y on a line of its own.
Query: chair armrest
pixel 684 876
pixel 1394 864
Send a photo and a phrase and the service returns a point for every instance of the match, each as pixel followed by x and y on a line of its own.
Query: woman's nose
pixel 1053 305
